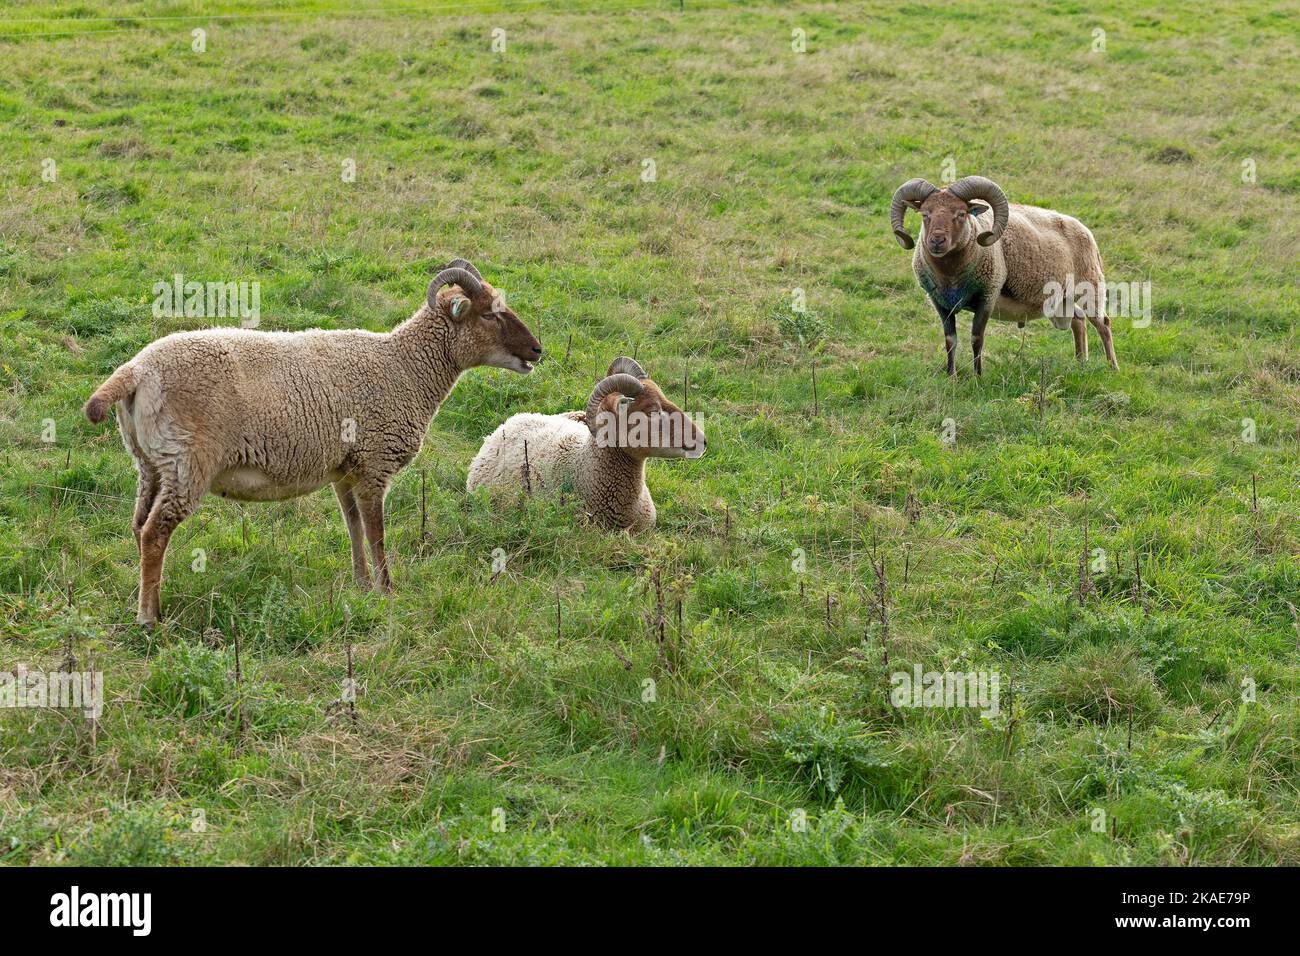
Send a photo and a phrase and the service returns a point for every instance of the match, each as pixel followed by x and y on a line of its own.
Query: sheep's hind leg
pixel 950 340
pixel 356 532
pixel 145 493
pixel 172 505
pixel 372 515
pixel 977 326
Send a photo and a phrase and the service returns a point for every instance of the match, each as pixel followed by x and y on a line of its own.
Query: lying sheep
pixel 961 264
pixel 601 452
pixel 267 416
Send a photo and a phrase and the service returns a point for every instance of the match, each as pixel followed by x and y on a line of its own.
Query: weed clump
pixel 1101 685
pixel 830 756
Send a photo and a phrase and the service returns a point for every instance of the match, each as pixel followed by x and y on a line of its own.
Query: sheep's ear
pixel 978 209
pixel 460 308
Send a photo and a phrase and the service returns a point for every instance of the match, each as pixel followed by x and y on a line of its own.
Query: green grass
pixel 774 170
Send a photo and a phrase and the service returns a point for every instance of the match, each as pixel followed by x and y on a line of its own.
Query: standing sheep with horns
pixel 1002 261
pixel 270 416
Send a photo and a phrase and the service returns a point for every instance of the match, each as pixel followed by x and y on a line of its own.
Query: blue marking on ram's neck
pixel 950 293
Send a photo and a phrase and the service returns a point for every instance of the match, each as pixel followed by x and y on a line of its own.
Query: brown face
pixel 650 426
pixel 948 224
pixel 488 332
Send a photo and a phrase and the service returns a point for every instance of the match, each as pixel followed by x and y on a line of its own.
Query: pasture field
pixel 1140 722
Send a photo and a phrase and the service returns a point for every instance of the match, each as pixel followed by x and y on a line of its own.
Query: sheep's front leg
pixel 1078 325
pixel 982 313
pixel 950 339
pixel 356 533
pixel 372 515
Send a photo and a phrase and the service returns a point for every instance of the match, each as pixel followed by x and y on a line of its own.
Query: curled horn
pixel 454 275
pixel 628 366
pixel 977 187
pixel 912 191
pixel 622 383
pixel 467 266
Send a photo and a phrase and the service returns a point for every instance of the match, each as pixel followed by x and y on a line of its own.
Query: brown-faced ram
pixel 1000 260
pixel 600 452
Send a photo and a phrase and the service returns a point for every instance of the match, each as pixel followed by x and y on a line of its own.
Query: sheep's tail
pixel 119 385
